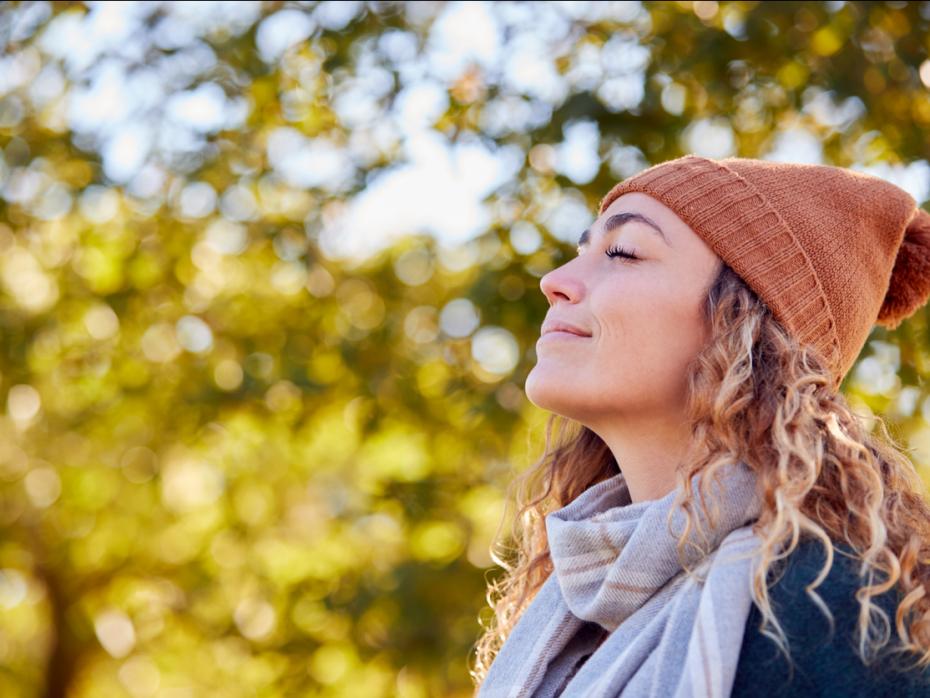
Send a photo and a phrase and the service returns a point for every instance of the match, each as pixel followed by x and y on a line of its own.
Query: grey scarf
pixel 619 597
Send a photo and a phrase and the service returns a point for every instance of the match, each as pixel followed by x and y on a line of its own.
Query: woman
pixel 710 517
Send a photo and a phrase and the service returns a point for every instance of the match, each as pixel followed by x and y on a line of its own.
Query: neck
pixel 648 450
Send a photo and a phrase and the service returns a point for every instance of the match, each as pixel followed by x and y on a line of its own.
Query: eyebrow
pixel 619 219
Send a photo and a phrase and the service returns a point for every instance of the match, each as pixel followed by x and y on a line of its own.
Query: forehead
pixel 618 220
pixel 665 219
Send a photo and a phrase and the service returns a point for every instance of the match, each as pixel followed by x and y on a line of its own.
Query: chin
pixel 550 393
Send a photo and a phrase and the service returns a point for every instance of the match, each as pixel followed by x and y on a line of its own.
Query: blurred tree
pixel 255 441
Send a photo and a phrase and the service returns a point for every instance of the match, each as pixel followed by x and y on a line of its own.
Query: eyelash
pixel 617 251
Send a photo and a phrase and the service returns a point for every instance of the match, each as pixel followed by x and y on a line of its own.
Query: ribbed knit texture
pixel 817 243
pixel 617 571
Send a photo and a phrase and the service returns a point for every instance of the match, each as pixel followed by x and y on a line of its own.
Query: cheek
pixel 651 337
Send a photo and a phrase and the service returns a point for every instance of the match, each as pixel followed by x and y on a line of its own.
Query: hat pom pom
pixel 909 287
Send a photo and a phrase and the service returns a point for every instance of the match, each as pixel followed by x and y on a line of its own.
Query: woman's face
pixel 642 318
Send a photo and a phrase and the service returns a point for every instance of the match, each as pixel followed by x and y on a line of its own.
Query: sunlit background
pixel 269 290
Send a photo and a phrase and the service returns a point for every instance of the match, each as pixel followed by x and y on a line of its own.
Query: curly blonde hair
pixel 758 396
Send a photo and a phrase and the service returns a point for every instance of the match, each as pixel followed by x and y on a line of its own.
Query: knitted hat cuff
pixel 740 225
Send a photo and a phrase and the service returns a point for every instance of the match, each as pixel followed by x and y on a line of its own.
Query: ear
pixel 909 287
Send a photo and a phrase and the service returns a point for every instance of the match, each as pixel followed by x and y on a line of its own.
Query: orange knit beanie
pixel 829 250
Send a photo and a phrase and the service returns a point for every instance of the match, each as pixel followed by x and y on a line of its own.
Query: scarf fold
pixel 617 570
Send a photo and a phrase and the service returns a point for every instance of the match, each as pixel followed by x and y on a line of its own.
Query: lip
pixel 557 327
pixel 561 334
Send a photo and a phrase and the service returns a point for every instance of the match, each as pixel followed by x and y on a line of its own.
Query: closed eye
pixel 617 251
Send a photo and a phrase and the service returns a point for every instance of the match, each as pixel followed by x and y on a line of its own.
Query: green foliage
pixel 233 463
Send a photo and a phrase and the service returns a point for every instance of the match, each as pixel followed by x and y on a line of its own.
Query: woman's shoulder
pixel 825 662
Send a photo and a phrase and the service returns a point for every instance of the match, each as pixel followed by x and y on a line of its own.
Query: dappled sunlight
pixel 269 293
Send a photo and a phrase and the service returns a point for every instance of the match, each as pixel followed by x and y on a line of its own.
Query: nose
pixel 563 283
